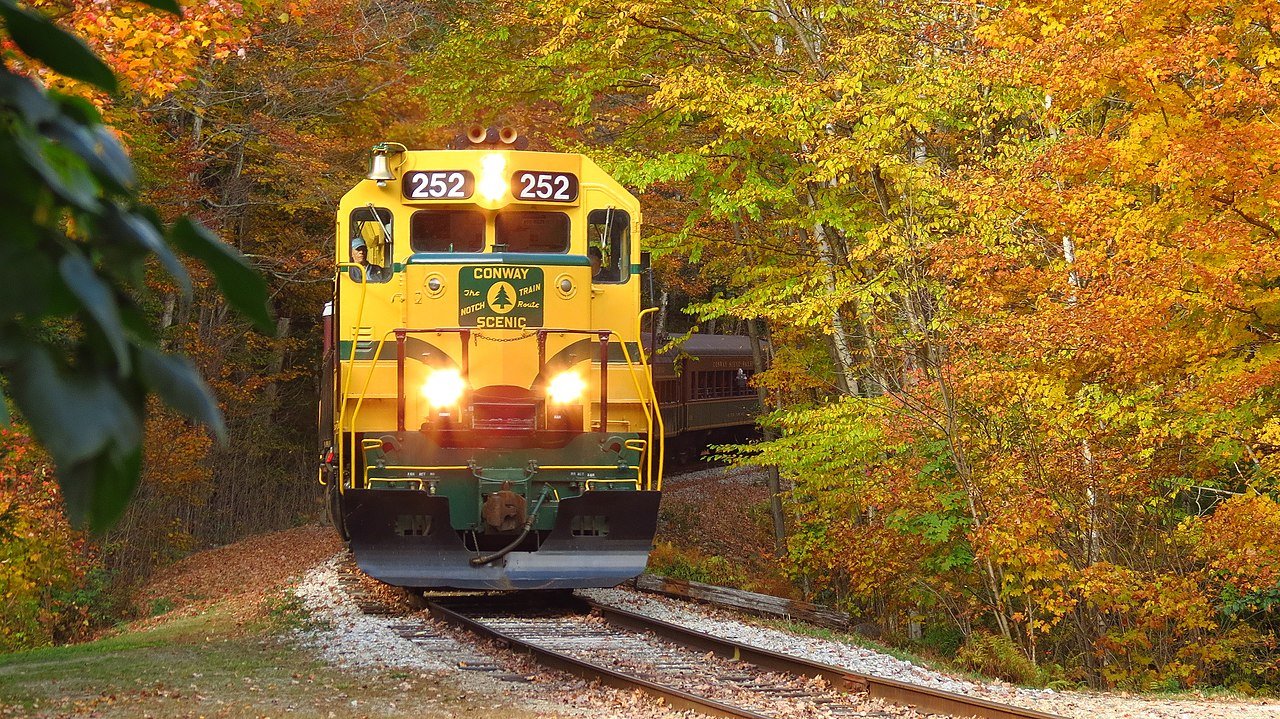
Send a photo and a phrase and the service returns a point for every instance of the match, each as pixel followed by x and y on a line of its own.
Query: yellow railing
pixel 648 403
pixel 407 468
pixel 656 439
pixel 633 482
pixel 343 268
pixel 364 391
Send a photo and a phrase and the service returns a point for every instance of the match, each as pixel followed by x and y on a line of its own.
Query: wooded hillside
pixel 1020 264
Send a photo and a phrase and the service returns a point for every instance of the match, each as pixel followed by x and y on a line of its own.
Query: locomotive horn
pixel 508 135
pixel 477 134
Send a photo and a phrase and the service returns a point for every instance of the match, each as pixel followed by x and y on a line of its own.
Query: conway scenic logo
pixel 500 297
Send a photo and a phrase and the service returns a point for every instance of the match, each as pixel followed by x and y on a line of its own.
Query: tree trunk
pixel 274 367
pixel 839 335
pixel 770 434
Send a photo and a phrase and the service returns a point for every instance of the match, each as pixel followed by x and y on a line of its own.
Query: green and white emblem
pixel 500 297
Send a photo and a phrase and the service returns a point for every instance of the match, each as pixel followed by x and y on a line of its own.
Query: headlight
pixel 493 183
pixel 444 388
pixel 566 387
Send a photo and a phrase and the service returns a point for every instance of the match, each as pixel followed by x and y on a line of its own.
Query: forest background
pixel 1019 264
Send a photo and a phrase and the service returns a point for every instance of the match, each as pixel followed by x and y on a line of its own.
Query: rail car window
pixel 371 233
pixel 446 231
pixel 723 383
pixel 609 231
pixel 517 231
pixel 668 391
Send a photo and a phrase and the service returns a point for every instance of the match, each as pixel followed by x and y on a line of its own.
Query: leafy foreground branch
pixel 76 347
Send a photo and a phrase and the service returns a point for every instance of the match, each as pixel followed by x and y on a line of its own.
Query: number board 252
pixel 544 186
pixel 438 185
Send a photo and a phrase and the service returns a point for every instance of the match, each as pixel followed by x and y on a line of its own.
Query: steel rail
pixel 925 699
pixel 675 698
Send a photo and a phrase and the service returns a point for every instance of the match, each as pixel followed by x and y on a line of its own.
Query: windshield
pixel 519 231
pixel 447 231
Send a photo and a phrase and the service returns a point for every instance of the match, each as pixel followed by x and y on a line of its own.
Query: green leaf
pixel 118 476
pixel 76 417
pixel 138 229
pixel 99 301
pixel 4 409
pixel 179 384
pixel 166 5
pixel 97 147
pixel 39 38
pixel 113 158
pixel 60 169
pixel 243 287
pixel 96 491
pixel 136 322
pixel 29 99
pixel 77 109
pixel 27 292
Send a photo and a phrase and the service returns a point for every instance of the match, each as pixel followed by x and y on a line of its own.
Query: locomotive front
pixel 489 409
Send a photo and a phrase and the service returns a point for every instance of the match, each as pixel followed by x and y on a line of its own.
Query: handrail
pixel 346 386
pixel 634 482
pixel 460 467
pixel 409 468
pixel 601 467
pixel 658 439
pixel 364 391
pixel 644 362
pixel 644 404
pixel 604 378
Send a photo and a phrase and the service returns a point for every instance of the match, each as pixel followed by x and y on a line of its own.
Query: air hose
pixel 528 525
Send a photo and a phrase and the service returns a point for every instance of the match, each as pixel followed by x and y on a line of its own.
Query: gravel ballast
pixel 346 637
pixel 1084 705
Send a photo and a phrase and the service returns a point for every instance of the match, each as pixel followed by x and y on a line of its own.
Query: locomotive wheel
pixel 333 507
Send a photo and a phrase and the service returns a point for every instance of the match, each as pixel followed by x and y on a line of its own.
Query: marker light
pixel 444 388
pixel 493 183
pixel 566 387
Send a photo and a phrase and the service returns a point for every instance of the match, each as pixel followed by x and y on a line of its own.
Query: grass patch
pixel 669 561
pixel 160 605
pixel 208 665
pixel 287 613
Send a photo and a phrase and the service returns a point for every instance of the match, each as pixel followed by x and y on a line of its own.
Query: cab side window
pixel 609 245
pixel 370 244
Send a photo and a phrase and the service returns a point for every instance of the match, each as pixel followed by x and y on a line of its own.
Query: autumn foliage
pixel 44 564
pixel 252 117
pixel 1020 265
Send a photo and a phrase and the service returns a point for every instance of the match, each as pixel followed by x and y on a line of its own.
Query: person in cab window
pixel 360 256
pixel 597 261
pixel 600 272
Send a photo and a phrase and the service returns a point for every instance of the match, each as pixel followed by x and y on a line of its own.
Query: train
pixel 492 414
pixel 705 393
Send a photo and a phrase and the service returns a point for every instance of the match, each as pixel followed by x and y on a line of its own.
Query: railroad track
pixel 689 670
pixel 694 671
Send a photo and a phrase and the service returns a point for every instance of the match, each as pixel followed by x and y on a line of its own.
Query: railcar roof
pixel 710 346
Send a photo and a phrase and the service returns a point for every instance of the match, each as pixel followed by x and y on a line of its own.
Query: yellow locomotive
pixel 488 414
